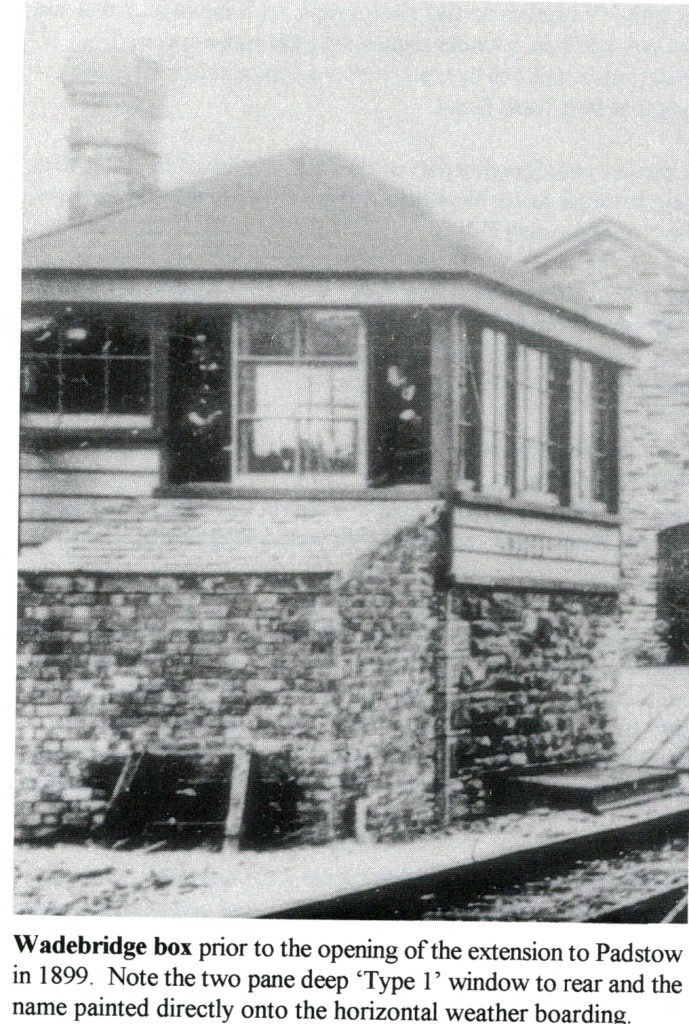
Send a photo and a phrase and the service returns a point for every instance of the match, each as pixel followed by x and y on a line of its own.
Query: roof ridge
pixel 600 224
pixel 195 186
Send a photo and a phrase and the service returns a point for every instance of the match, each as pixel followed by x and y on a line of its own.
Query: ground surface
pixel 82 880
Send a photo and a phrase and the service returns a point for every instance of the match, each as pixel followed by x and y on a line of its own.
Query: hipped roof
pixel 300 212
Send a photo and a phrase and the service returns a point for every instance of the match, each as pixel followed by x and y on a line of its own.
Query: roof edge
pixel 474 276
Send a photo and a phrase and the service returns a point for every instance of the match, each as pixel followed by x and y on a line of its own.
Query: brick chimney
pixel 115 110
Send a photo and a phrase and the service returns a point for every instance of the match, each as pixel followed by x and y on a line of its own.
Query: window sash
pixel 308 428
pixel 532 441
pixel 593 446
pixel 493 404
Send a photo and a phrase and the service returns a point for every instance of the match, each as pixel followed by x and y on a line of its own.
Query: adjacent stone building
pixel 645 288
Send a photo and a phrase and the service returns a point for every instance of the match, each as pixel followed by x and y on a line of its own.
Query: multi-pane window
pixel 299 396
pixel 80 364
pixel 536 423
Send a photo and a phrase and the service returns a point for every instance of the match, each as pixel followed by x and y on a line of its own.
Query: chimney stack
pixel 115 111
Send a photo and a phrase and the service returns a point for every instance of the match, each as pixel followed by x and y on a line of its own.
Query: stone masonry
pixel 528 677
pixel 331 675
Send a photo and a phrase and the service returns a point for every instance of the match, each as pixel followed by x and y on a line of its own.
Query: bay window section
pixel 299 411
pixel 537 424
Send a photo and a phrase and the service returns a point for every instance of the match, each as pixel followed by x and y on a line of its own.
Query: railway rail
pixel 540 883
pixel 666 907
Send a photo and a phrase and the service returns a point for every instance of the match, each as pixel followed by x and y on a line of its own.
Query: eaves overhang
pixel 467 288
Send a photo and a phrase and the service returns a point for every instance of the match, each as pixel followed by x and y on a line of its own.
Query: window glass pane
pixel 346 385
pixel 246 389
pixel 558 427
pixel 327 446
pixel 470 410
pixel 267 446
pixel 299 391
pixel 41 385
pixel 323 389
pixel 128 337
pixel 40 334
pixel 604 437
pixel 533 413
pixel 330 333
pixel 494 419
pixel 85 337
pixel 199 410
pixel 277 390
pixel 297 407
pixel 268 333
pixel 129 386
pixel 101 362
pixel 83 385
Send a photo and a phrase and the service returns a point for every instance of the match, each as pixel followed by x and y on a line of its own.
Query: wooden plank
pixel 60 422
pixel 510 545
pixel 33 532
pixel 648 745
pixel 126 485
pixel 675 741
pixel 543 526
pixel 125 460
pixel 122 787
pixel 494 570
pixel 235 812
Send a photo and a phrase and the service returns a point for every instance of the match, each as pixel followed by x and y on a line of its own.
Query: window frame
pixel 448 415
pixel 563 502
pixel 93 425
pixel 298 480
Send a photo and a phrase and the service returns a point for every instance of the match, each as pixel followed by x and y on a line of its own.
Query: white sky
pixel 523 121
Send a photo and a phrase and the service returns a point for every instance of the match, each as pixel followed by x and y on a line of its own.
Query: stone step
pixel 593 787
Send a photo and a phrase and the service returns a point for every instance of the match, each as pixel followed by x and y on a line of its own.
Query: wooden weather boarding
pixel 181 800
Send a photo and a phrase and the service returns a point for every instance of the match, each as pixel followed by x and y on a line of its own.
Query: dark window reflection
pixel 78 361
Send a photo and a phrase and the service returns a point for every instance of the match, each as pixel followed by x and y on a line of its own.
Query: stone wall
pixel 332 677
pixel 388 725
pixel 654 474
pixel 674 590
pixel 528 674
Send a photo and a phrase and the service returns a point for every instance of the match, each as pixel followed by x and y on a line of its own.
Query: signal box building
pixel 306 475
